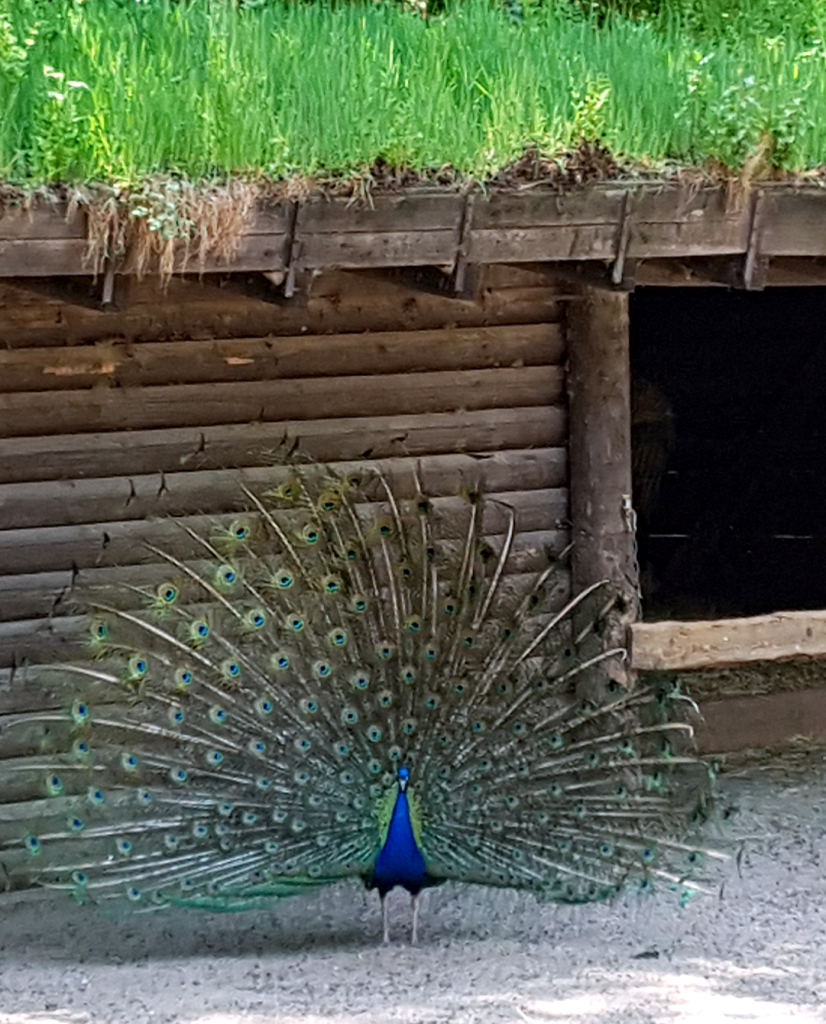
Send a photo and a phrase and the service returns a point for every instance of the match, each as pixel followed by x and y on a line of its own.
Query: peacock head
pixel 403 776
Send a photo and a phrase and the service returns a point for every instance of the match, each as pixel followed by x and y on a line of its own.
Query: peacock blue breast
pixel 400 861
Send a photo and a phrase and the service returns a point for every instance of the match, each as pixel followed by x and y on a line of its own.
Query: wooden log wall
pixel 109 419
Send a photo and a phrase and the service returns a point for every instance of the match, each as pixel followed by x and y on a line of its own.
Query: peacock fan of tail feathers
pixel 348 682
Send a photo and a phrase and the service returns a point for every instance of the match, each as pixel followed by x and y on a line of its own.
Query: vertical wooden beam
pixel 602 516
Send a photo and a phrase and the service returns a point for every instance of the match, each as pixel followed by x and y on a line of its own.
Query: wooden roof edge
pixel 613 223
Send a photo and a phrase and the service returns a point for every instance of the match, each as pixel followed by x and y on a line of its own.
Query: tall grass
pixel 117 89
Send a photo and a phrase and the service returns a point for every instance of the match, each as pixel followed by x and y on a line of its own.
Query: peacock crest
pixel 351 679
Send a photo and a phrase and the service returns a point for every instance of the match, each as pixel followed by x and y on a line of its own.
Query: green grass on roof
pixel 118 90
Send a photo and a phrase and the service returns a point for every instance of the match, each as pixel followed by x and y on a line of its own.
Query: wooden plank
pixel 688 238
pixel 769 720
pixel 357 249
pixel 793 223
pixel 37 413
pixel 56 548
pixel 504 210
pixel 42 221
pixel 42 257
pixel 419 210
pixel 178 362
pixel 680 646
pixel 531 244
pixel 70 456
pixel 132 497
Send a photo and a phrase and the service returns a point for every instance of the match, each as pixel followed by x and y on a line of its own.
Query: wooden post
pixel 599 397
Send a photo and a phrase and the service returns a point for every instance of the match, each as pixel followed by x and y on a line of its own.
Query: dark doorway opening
pixel 729 450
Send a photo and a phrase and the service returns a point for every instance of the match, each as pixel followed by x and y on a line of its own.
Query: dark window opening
pixel 729 450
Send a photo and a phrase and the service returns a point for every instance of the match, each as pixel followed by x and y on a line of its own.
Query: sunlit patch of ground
pixel 756 953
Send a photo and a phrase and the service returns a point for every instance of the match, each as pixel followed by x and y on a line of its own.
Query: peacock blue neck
pixel 400 861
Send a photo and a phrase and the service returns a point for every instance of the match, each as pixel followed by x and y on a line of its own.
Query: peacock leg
pixel 415 900
pixel 385 920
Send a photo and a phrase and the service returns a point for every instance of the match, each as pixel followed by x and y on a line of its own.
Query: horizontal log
pixel 75 456
pixel 719 643
pixel 90 500
pixel 37 413
pixel 41 594
pixel 56 548
pixel 125 364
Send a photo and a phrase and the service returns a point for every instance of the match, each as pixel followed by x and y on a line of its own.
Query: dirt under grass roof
pixel 118 91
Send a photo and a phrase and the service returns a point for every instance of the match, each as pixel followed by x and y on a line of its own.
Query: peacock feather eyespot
pixel 271 846
pixel 337 638
pixel 133 894
pixel 80 750
pixel 592 759
pixel 450 609
pixel 385 651
pixel 226 576
pixel 309 706
pixel 309 534
pixel 217 715
pixel 128 762
pixel 280 661
pixel 349 716
pixel 137 667
pixel 176 716
pixel 214 758
pixel 226 808
pixel 283 579
pixel 123 847
pixel 332 584
pixel 431 653
pixel 408 675
pixel 295 623
pixel 99 631
pixel 302 744
pixel 75 824
pixel 145 798
pixel 32 845
pixel 263 707
pixel 95 796
pixel 431 703
pixel 556 790
pixel 322 669
pixel 80 878
pixel 256 618
pixel 358 604
pixel 199 632
pixel 360 680
pixel 80 712
pixel 385 699
pixel 183 679
pixel 178 775
pixel 519 729
pixel 374 734
pixel 230 670
pixel 249 818
pixel 341 749
pixel 347 778
pixel 556 741
pixel 240 530
pixel 648 855
pixel 477 727
pixel 167 594
pixel 257 748
pixel 263 784
pixel 409 726
pixel 413 624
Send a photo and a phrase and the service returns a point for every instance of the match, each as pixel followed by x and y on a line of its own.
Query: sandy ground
pixel 757 953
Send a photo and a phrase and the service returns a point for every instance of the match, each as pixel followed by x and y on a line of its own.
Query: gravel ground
pixel 756 953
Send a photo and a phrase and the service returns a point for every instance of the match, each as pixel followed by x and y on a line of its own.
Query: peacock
pixel 346 677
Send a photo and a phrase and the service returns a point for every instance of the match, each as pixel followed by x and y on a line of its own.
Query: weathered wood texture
pixel 600 456
pixel 769 721
pixel 428 226
pixel 720 643
pixel 180 400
